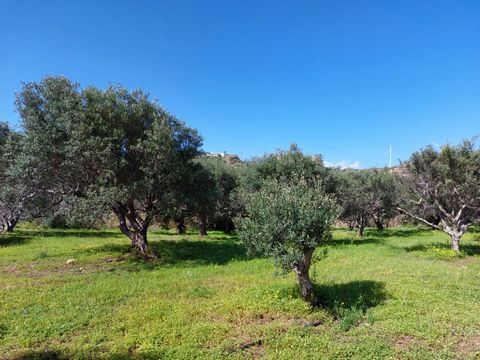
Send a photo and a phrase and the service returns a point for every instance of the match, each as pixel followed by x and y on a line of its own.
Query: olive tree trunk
pixel 139 241
pixel 134 227
pixel 202 226
pixel 181 228
pixel 362 223
pixel 202 229
pixel 456 243
pixel 379 225
pixel 228 226
pixel 302 270
pixel 8 223
pixel 164 224
pixel 360 231
pixel 11 223
pixel 455 234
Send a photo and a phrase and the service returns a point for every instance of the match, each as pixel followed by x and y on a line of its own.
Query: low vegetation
pixel 81 294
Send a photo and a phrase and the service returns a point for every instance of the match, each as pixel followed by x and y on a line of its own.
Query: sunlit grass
pixel 396 294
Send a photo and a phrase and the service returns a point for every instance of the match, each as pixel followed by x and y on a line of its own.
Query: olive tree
pixel 115 146
pixel 15 197
pixel 196 201
pixel 204 199
pixel 444 183
pixel 365 195
pixel 288 221
pixel 219 200
pixel 282 166
pixel 384 186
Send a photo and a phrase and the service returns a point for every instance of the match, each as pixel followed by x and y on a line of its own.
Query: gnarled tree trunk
pixel 379 225
pixel 8 222
pixel 181 228
pixel 302 270
pixel 133 226
pixel 138 239
pixel 11 223
pixel 229 226
pixel 455 235
pixel 202 226
pixel 456 243
pixel 362 223
pixel 202 229
pixel 454 225
pixel 360 231
pixel 164 224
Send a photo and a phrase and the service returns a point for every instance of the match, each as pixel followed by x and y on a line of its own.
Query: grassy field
pixel 396 294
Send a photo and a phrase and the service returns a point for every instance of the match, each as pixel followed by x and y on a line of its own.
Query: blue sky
pixel 341 78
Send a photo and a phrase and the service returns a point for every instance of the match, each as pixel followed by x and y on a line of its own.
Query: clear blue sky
pixel 341 78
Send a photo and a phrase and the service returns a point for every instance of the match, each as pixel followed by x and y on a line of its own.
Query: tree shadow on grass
pixel 353 241
pixel 467 249
pixel 66 355
pixel 93 354
pixel 212 234
pixel 70 233
pixel 474 229
pixel 368 293
pixel 14 239
pixel 374 236
pixel 21 236
pixel 422 247
pixel 349 303
pixel 398 232
pixel 180 252
pixel 200 252
pixel 41 355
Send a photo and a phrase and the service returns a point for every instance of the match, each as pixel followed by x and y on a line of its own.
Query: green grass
pixel 396 294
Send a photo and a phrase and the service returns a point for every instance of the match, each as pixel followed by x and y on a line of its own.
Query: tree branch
pixel 419 218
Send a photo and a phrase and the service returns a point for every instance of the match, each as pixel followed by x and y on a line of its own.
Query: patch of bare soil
pixel 33 271
pixel 254 349
pixel 464 261
pixel 469 345
pixel 115 259
pixel 248 348
pixel 405 341
pixel 12 270
pixel 251 344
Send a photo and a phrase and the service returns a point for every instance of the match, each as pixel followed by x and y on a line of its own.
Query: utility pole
pixel 390 156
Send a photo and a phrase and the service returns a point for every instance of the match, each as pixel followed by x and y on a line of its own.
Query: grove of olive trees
pixel 92 151
pixel 366 196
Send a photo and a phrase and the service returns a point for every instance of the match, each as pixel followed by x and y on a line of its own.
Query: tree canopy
pixel 221 205
pixel 114 145
pixel 14 195
pixel 444 183
pixel 365 195
pixel 283 166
